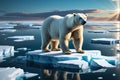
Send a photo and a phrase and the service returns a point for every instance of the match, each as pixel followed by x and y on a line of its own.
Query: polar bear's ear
pixel 74 14
pixel 86 14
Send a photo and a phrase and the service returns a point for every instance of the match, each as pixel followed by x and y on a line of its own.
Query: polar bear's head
pixel 76 19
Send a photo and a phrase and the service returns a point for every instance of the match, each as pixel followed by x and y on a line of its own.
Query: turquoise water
pixel 107 50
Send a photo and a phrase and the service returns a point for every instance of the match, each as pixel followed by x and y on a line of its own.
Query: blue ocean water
pixel 107 50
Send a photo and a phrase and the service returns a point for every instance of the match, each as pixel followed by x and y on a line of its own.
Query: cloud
pixel 38 16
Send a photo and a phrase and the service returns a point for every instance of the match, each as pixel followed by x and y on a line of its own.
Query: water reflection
pixel 58 75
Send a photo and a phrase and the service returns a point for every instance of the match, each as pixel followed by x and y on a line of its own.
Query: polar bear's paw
pixel 68 52
pixel 56 49
pixel 81 51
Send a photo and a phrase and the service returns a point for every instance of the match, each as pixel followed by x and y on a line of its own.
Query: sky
pixel 37 6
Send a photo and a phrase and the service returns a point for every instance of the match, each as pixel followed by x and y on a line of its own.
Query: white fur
pixel 62 28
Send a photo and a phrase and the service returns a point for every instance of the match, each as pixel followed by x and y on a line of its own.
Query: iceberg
pixel 11 73
pixel 107 41
pixel 6 51
pixel 21 38
pixel 97 31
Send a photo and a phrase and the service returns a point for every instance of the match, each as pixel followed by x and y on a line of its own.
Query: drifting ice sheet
pixel 57 59
pixel 10 73
pixel 107 41
pixel 6 51
pixel 114 30
pixel 21 38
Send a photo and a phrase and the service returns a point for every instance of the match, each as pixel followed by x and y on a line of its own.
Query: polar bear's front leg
pixel 64 45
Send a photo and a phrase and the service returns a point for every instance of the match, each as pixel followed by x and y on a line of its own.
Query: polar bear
pixel 57 29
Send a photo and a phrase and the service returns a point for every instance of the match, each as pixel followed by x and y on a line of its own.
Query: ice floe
pixel 22 49
pixel 27 26
pixel 8 30
pixel 56 59
pixel 97 31
pixel 114 30
pixel 108 41
pixel 6 26
pixel 6 51
pixel 20 38
pixel 11 73
pixel 28 75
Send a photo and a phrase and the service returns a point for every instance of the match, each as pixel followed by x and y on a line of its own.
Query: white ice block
pixel 10 73
pixel 57 57
pixel 108 41
pixel 54 56
pixel 6 51
pixel 21 38
pixel 100 63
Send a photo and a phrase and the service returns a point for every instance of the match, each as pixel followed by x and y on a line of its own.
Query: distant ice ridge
pixel 6 51
pixel 114 30
pixel 21 38
pixel 108 41
pixel 75 61
pixel 97 31
pixel 11 73
pixel 108 23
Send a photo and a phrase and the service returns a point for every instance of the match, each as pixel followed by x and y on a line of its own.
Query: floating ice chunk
pixel 114 30
pixel 6 26
pixel 100 77
pixel 22 49
pixel 30 75
pixel 57 57
pixel 8 30
pixel 21 38
pixel 10 73
pixel 100 63
pixel 97 31
pixel 107 41
pixel 27 26
pixel 6 51
pixel 99 70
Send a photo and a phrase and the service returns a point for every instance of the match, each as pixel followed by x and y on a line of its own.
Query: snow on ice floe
pixel 8 30
pixel 11 73
pixel 97 31
pixel 108 41
pixel 6 51
pixel 20 38
pixel 75 61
